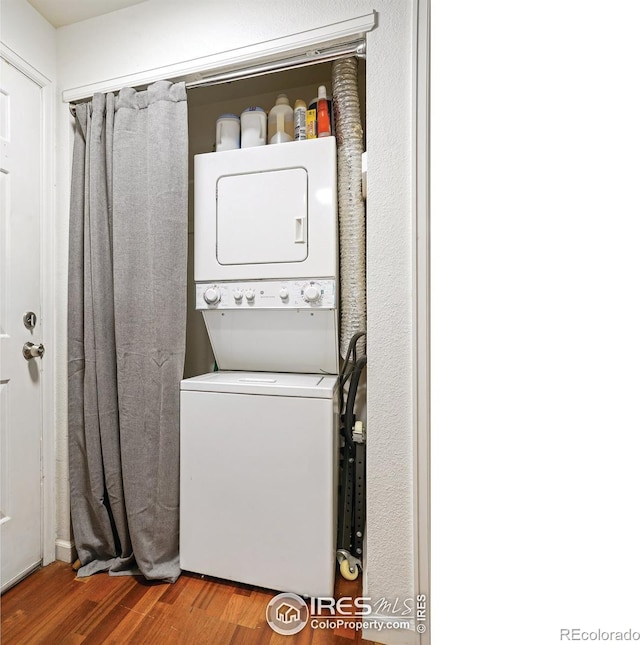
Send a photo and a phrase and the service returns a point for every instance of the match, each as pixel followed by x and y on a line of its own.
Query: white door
pixel 20 293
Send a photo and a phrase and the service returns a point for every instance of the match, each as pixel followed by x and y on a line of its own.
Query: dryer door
pixel 262 217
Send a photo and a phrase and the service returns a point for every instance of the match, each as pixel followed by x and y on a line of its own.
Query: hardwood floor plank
pixel 12 621
pixel 127 615
pixel 118 589
pixel 172 592
pixel 57 628
pixel 175 591
pixel 71 639
pixel 209 630
pixel 205 597
pixel 157 627
pixel 53 607
pixel 322 637
pixel 248 636
pixel 215 597
pixel 117 613
pixel 305 637
pixel 37 603
pixel 248 611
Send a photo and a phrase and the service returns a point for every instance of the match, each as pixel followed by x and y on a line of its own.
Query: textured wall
pixel 162 32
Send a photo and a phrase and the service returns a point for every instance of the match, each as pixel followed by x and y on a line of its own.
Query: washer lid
pixel 317 386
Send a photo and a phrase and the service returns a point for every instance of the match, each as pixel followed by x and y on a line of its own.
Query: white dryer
pixel 258 460
pixel 265 256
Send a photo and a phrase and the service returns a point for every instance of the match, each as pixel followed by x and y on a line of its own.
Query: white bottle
pixel 253 127
pixel 280 125
pixel 227 132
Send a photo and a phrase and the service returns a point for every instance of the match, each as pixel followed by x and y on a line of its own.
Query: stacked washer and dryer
pixel 259 437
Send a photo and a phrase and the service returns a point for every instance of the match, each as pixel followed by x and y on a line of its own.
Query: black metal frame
pixel 352 477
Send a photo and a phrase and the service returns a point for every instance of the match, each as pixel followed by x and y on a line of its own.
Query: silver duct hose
pixel 351 215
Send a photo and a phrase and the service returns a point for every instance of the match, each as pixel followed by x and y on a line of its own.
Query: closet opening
pixel 205 105
pixel 345 491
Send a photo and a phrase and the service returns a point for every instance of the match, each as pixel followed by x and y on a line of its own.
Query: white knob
pixel 284 293
pixel 237 295
pixel 311 293
pixel 250 295
pixel 212 296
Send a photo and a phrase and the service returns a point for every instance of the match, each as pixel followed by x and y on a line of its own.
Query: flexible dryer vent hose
pixel 351 214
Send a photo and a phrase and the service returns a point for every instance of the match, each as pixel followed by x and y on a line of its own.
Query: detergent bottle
pixel 280 125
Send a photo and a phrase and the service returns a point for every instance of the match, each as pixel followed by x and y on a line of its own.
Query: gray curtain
pixel 126 322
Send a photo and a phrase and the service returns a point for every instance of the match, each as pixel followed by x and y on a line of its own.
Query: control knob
pixel 250 295
pixel 311 293
pixel 284 293
pixel 237 295
pixel 212 295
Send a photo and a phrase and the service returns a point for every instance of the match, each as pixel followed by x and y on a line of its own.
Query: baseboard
pixel 66 551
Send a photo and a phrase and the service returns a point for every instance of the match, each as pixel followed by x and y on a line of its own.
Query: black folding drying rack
pixel 352 478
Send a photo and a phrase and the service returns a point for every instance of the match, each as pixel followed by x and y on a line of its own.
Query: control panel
pixel 267 294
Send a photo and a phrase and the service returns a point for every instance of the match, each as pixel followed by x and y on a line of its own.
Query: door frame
pixel 47 299
pixel 422 293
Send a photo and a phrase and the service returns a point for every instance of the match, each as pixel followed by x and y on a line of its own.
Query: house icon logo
pixel 287 614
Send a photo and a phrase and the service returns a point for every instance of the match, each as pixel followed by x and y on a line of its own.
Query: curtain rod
pixel 312 57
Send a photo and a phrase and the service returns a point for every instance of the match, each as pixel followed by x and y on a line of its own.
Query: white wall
pixel 535 222
pixel 162 32
pixel 29 35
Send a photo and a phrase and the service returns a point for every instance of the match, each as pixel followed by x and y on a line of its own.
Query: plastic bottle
pixel 299 120
pixel 280 125
pixel 312 123
pixel 281 136
pixel 324 120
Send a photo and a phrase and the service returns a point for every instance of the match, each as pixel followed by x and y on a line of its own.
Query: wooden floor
pixel 53 606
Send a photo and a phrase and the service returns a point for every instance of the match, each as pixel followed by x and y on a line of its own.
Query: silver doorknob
pixel 29 350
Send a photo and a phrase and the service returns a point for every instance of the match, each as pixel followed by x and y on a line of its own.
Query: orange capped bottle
pixel 324 119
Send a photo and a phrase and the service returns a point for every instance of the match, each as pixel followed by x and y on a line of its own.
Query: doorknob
pixel 29 350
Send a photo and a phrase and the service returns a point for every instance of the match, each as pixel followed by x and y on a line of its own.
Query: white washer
pixel 258 459
pixel 266 258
